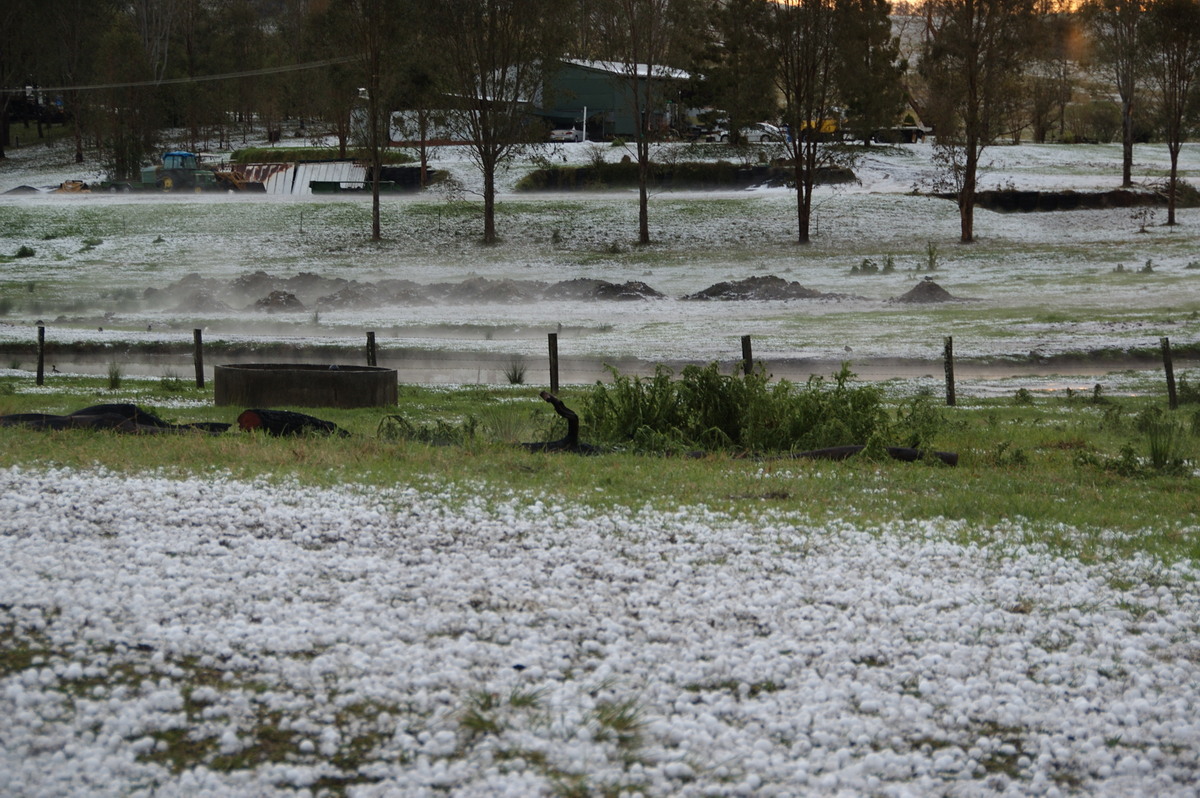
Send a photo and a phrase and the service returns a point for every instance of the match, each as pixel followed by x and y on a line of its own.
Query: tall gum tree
pixel 870 70
pixel 15 58
pixel 805 48
pixel 973 59
pixel 1115 28
pixel 735 66
pixel 643 37
pixel 372 21
pixel 496 55
pixel 1173 64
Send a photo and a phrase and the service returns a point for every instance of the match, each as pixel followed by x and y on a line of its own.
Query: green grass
pixel 1075 475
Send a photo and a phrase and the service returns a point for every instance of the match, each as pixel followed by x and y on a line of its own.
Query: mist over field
pixel 1036 285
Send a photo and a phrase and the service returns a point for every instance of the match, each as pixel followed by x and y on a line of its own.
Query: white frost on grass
pixel 1044 283
pixel 276 638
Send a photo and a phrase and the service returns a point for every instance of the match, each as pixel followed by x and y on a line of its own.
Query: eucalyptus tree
pixel 127 71
pixel 1116 33
pixel 1051 81
pixel 736 65
pixel 974 56
pixel 156 22
pixel 497 54
pixel 374 23
pixel 805 47
pixel 77 26
pixel 869 71
pixel 1173 65
pixel 15 58
pixel 644 38
pixel 332 92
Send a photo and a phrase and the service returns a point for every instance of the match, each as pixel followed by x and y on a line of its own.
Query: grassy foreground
pixel 1091 476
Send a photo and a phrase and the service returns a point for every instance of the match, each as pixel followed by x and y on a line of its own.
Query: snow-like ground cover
pixel 406 642
pixel 1043 284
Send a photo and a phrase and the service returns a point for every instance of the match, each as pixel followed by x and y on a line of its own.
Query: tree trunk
pixel 643 155
pixel 422 147
pixel 489 200
pixel 1126 143
pixel 966 194
pixel 4 133
pixel 376 149
pixel 805 165
pixel 966 211
pixel 803 210
pixel 1172 182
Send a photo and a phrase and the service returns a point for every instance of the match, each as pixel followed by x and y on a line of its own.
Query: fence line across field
pixel 442 365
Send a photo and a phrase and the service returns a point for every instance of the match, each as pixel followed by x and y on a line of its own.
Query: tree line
pixel 976 71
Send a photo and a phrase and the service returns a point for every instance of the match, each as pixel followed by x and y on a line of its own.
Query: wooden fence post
pixel 1169 367
pixel 41 355
pixel 949 357
pixel 198 356
pixel 553 341
pixel 747 356
pixel 371 361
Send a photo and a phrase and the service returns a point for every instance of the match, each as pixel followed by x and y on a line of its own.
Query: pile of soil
pixel 583 288
pixel 262 291
pixel 476 290
pixel 279 302
pixel 202 300
pixel 196 294
pixel 926 291
pixel 756 288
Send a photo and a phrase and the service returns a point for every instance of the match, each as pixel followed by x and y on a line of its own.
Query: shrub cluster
pixel 704 409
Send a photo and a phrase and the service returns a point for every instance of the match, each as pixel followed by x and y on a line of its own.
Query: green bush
pixel 1187 392
pixel 26 252
pixel 624 174
pixel 707 410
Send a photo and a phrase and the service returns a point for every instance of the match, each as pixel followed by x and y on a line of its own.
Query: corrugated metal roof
pixel 621 69
pixel 295 178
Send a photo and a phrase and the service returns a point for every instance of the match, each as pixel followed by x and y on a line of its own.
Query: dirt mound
pixel 258 283
pixel 481 289
pixel 201 301
pixel 756 288
pixel 202 294
pixel 926 291
pixel 307 284
pixel 279 302
pixel 354 295
pixel 583 288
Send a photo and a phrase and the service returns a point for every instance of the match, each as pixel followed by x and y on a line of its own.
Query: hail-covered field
pixel 1034 285
pixel 412 643
pixel 205 636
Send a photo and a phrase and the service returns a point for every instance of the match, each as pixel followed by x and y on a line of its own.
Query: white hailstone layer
pixel 196 637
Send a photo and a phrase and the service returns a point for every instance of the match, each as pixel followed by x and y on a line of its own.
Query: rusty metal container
pixel 270 385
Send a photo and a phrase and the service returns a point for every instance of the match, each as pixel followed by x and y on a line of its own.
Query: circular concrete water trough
pixel 269 385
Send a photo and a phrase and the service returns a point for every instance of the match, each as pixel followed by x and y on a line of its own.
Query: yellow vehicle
pixel 823 129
